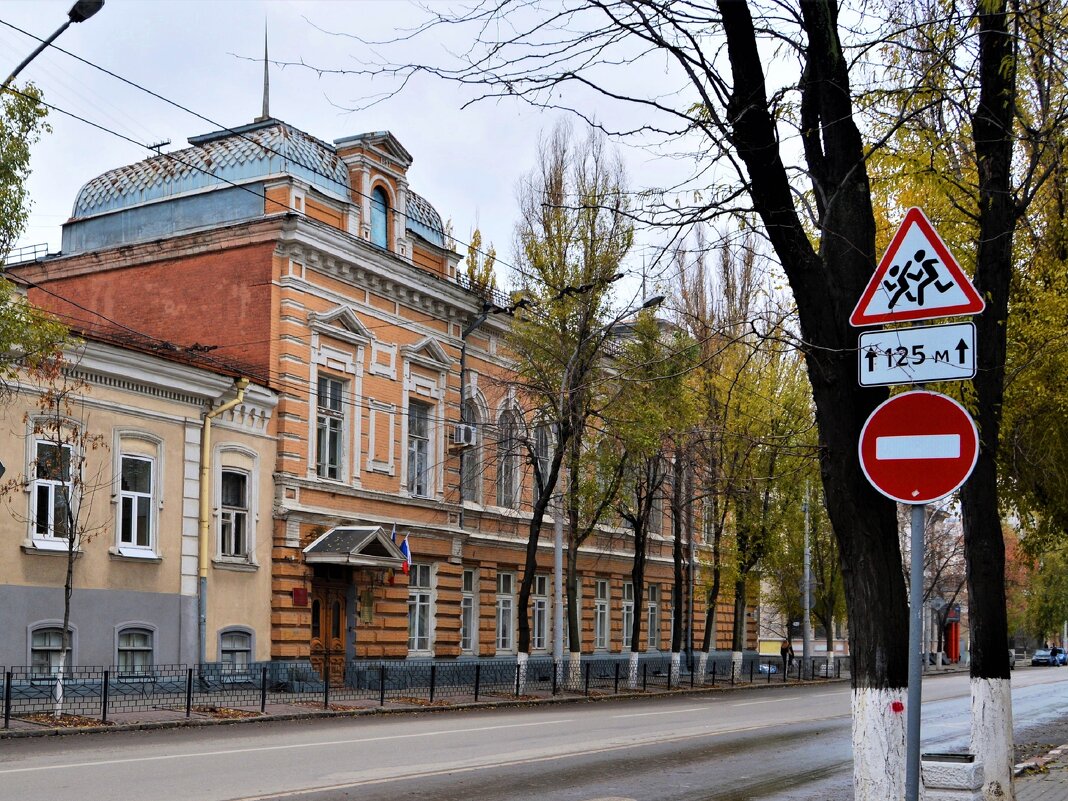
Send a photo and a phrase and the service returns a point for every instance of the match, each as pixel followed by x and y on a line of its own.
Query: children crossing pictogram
pixel 924 284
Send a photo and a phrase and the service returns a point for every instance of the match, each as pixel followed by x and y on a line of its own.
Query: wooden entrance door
pixel 328 626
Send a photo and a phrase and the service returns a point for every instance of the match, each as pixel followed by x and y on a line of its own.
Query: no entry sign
pixel 918 447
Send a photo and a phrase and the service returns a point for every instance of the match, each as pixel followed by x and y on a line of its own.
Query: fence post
pixel 263 691
pixel 751 671
pixel 645 676
pixel 769 671
pixel 104 697
pixel 188 692
pixel 786 672
pixel 381 685
pixel 838 668
pixel 517 679
pixel 587 679
pixel 433 677
pixel 7 699
pixel 478 678
pixel 326 682
pixel 713 672
pixel 556 667
pixel 616 688
pixel 693 673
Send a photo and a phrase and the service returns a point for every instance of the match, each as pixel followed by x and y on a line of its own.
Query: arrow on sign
pixel 962 348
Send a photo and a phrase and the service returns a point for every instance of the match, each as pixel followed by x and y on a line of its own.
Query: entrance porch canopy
pixel 356 546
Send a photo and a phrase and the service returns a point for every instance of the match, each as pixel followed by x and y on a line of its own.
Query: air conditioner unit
pixel 463 435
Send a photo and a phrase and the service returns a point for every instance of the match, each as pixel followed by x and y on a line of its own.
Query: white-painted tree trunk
pixel 736 664
pixel 521 667
pixel 632 670
pixel 57 692
pixel 879 744
pixel 992 741
pixel 574 670
pixel 702 665
pixel 676 661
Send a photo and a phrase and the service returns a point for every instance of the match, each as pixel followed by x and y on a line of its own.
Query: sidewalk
pixel 1044 778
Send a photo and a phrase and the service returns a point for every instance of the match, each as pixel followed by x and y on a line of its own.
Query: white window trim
pixel 471 595
pixel 51 624
pixel 430 391
pixel 511 649
pixel 219 463
pixel 345 364
pixel 627 610
pixel 48 542
pixel 428 489
pixel 431 593
pixel 155 443
pixel 602 615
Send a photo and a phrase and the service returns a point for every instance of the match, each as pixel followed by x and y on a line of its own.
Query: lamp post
pixel 558 516
pixel 79 12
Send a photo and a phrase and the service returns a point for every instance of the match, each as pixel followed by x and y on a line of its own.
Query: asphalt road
pixel 771 743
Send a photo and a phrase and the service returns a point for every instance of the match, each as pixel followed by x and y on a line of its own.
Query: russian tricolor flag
pixel 407 564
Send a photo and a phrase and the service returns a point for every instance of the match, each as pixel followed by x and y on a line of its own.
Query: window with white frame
pixel 628 613
pixel 468 611
pixel 507 461
pixel 46 647
pixel 418 449
pixel 235 650
pixel 51 492
pixel 471 457
pixel 539 613
pixel 379 217
pixel 419 612
pixel 505 611
pixel 653 607
pixel 542 440
pixel 233 514
pixel 600 614
pixel 134 651
pixel 330 427
pixel 135 502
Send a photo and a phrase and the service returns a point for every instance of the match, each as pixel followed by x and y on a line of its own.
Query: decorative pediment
pixel 359 546
pixel 381 141
pixel 428 351
pixel 341 323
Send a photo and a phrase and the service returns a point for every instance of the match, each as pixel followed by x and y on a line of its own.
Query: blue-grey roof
pixel 237 156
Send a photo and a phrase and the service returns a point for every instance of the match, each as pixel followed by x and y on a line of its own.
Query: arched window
pixel 471 457
pixel 379 217
pixel 542 441
pixel 134 651
pixel 507 461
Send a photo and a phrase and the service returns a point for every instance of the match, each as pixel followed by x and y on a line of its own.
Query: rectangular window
pixel 507 461
pixel 600 614
pixel 51 491
pixel 418 449
pixel 235 651
pixel 135 652
pixel 46 645
pixel 468 615
pixel 419 608
pixel 653 608
pixel 330 423
pixel 628 613
pixel 539 613
pixel 135 502
pixel 505 611
pixel 233 516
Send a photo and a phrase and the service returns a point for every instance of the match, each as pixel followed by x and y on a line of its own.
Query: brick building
pixel 317 270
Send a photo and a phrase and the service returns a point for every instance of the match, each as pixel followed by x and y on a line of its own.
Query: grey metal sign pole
pixel 912 707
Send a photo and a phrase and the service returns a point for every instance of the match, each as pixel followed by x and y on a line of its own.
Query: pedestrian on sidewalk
pixel 786 650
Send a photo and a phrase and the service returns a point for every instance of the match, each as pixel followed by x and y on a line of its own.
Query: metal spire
pixel 266 115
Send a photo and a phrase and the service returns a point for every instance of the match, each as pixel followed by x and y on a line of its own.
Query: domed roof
pixel 218 159
pixel 236 156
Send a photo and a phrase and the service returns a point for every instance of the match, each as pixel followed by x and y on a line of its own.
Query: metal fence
pixel 103 693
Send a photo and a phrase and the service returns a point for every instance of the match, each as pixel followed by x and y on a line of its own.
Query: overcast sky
pixel 197 53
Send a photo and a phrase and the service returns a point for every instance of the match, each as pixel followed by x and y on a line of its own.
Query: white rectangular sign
pixel 917 355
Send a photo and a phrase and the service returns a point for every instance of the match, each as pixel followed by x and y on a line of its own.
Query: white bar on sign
pixel 926 446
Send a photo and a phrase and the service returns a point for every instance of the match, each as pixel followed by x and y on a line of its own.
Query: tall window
pixel 628 613
pixel 51 491
pixel 542 438
pixel 233 517
pixel 379 217
pixel 540 613
pixel 419 608
pixel 471 458
pixel 418 449
pixel 135 651
pixel 46 645
pixel 600 614
pixel 507 462
pixel 235 649
pixel 468 614
pixel 135 502
pixel 656 513
pixel 505 611
pixel 653 608
pixel 330 423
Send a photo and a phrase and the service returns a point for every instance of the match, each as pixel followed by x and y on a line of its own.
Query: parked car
pixel 1043 656
pixel 1058 655
pixel 767 667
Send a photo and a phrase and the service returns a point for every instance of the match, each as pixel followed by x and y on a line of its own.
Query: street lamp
pixel 558 516
pixel 79 12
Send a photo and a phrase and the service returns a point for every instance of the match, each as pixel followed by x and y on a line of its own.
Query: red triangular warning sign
pixel 917 279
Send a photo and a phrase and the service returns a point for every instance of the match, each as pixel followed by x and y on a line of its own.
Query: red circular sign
pixel 918 447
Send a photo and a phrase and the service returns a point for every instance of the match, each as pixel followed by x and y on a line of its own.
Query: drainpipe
pixel 205 513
